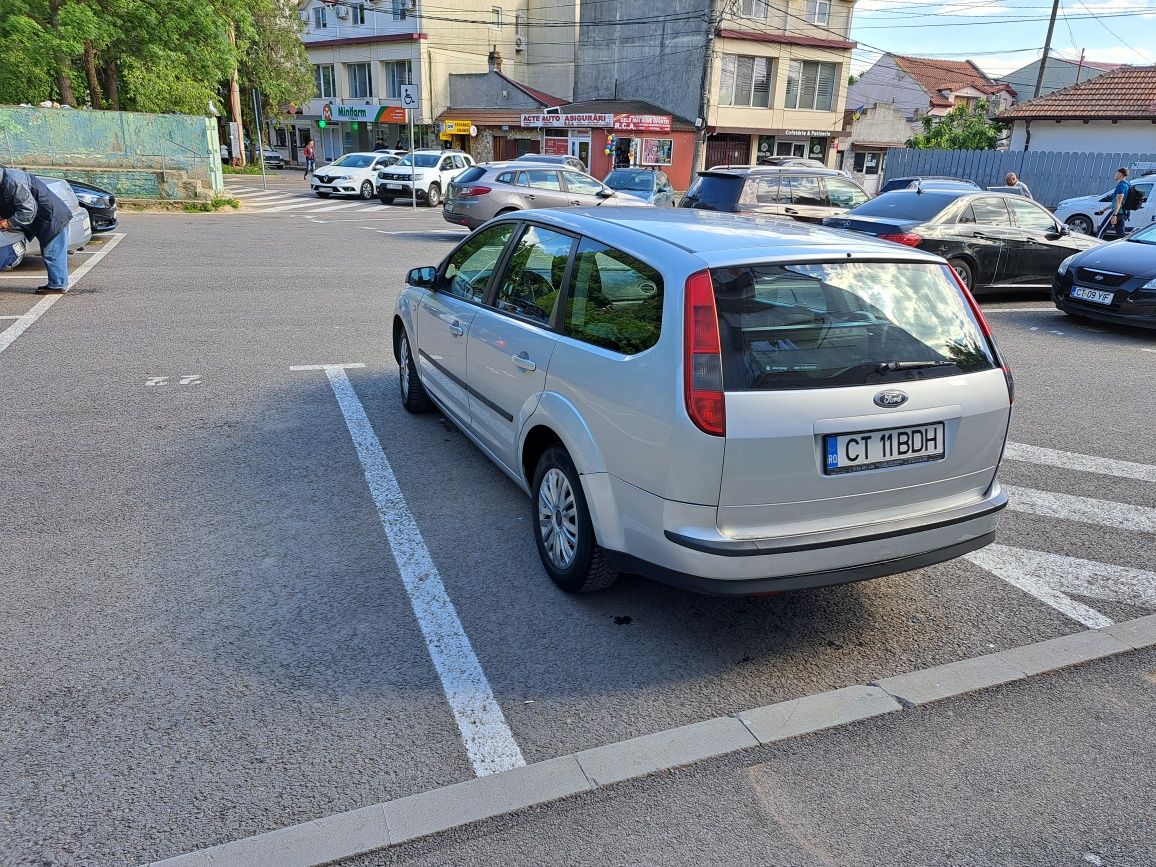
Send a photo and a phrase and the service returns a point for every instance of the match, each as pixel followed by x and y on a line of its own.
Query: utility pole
pixel 235 104
pixel 712 24
pixel 1080 66
pixel 1047 48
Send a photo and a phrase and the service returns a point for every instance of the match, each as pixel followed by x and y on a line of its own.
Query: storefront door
pixel 791 149
pixel 580 147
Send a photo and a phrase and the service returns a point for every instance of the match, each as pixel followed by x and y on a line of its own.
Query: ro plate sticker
pixel 832 452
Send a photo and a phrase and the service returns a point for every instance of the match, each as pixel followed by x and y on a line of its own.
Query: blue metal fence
pixel 1051 177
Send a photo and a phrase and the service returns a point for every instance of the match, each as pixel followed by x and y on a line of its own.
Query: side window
pixel 505 178
pixel 533 278
pixel 446 164
pixel 844 194
pixel 661 180
pixel 1145 192
pixel 615 301
pixel 966 215
pixel 459 162
pixel 581 184
pixel 543 180
pixel 1032 217
pixel 469 267
pixel 769 192
pixel 990 212
pixel 805 190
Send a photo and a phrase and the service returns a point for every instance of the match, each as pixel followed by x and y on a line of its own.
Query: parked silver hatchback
pixel 484 191
pixel 727 404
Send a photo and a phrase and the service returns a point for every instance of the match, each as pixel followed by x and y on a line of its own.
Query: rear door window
pixel 990 211
pixel 533 278
pixel 805 190
pixel 615 301
pixel 842 324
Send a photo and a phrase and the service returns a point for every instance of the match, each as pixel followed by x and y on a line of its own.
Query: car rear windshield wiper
pixel 885 366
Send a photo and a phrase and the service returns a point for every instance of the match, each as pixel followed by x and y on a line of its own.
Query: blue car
pixel 650 185
pixel 1113 282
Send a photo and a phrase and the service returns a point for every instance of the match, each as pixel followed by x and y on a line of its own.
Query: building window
pixel 399 9
pixel 358 13
pixel 819 12
pixel 495 17
pixel 745 81
pixel 323 80
pixel 397 73
pixel 811 85
pixel 755 8
pixel 320 18
pixel 360 80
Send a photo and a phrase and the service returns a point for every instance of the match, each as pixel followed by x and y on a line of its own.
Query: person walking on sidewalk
pixel 28 205
pixel 310 154
pixel 1118 208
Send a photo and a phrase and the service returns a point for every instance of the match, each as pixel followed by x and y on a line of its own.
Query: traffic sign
pixel 410 98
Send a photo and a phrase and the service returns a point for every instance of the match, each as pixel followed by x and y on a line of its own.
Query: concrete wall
pixel 1058 75
pixel 485 90
pixel 886 82
pixel 552 47
pixel 1127 136
pixel 136 156
pixel 660 61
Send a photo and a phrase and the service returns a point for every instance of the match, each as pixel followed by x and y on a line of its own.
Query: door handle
pixel 456 330
pixel 522 360
pixel 789 211
pixel 575 202
pixel 982 236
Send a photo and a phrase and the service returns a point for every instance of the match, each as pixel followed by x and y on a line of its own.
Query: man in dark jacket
pixel 26 204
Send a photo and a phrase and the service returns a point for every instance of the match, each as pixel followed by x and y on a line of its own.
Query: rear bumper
pixel 450 216
pixel 679 544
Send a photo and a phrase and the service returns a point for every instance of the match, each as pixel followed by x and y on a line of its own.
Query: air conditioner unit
pixel 341 11
pixel 520 43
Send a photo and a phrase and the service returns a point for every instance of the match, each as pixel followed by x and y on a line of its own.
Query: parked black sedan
pixel 100 204
pixel 1115 282
pixel 992 240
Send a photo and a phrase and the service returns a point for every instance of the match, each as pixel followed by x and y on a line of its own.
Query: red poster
pixel 557 146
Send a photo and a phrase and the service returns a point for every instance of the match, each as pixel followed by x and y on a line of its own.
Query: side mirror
pixel 422 278
pixel 1064 230
pixel 606 193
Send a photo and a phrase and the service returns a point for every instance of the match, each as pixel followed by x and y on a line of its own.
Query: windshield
pixel 355 161
pixel 1147 235
pixel 904 205
pixel 627 180
pixel 424 161
pixel 843 324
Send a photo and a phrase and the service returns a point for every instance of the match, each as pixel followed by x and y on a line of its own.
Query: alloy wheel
pixel 558 518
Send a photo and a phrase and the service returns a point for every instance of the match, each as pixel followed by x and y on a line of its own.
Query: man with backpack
pixel 1125 199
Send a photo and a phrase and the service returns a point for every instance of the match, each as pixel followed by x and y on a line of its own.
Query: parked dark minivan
pixel 807 194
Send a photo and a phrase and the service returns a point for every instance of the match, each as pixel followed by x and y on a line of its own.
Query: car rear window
pixel 789 326
pixel 905 205
pixel 470 175
pixel 714 193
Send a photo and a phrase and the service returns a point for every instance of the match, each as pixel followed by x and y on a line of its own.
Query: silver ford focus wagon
pixel 727 404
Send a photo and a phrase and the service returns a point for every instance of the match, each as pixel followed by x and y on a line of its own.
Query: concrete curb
pixel 357 832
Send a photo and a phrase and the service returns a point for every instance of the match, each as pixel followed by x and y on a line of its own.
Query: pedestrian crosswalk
pixel 287 200
pixel 1074 585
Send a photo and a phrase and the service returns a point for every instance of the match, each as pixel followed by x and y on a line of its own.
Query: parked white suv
pixel 727 405
pixel 1080 214
pixel 427 171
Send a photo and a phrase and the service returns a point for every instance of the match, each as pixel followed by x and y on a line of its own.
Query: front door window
pixel 533 277
pixel 470 266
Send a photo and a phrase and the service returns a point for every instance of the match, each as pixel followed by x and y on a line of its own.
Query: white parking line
pixel 488 740
pixel 8 335
pixel 1120 516
pixel 987 310
pixel 1083 463
pixel 304 204
pixel 336 207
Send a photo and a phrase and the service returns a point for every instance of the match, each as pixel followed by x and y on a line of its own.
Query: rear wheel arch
pixel 506 211
pixel 538 439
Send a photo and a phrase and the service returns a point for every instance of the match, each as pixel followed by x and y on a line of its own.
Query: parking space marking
pixel 487 737
pixel 23 323
pixel 336 207
pixel 1120 516
pixel 987 310
pixel 1083 463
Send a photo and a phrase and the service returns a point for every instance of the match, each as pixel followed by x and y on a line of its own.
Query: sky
pixel 1003 35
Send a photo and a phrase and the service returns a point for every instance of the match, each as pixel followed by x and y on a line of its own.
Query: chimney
pixel 495 60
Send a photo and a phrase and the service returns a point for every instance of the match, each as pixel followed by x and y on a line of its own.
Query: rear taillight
pixel 907 239
pixel 466 192
pixel 702 364
pixel 986 329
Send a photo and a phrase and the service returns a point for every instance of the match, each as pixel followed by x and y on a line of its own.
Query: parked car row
pixel 93 210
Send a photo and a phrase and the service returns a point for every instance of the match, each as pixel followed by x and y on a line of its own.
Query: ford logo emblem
pixel 890 399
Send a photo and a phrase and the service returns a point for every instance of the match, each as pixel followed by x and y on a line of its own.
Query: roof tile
pixel 1126 93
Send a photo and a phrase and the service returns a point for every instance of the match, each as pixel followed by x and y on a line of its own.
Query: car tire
pixel 323 195
pixel 413 394
pixel 366 191
pixel 563 531
pixel 433 196
pixel 386 200
pixel 1081 224
pixel 963 270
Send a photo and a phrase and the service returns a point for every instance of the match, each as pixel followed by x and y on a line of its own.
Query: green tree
pixel 962 128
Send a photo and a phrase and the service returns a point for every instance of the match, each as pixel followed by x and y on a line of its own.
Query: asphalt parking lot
pixel 207 632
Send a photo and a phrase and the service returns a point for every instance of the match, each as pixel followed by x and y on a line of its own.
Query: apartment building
pixel 364 51
pixel 762 77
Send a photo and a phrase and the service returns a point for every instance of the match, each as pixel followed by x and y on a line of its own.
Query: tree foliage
pixel 962 128
pixel 149 55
